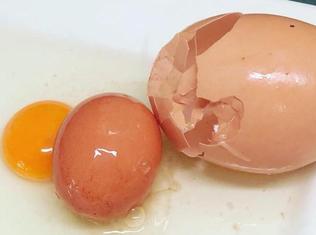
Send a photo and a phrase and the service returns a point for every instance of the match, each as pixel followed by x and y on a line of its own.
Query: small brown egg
pixel 239 90
pixel 106 156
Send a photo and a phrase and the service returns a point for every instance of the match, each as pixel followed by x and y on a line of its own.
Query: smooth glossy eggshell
pixel 106 156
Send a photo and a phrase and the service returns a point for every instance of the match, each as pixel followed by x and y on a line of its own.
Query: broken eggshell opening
pixel 239 90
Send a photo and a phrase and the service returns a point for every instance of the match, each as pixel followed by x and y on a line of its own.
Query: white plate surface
pixel 69 50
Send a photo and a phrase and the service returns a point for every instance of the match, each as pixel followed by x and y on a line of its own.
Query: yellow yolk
pixel 29 137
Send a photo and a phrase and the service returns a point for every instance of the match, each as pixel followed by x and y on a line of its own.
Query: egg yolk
pixel 29 137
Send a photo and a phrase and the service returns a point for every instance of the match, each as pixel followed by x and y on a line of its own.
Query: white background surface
pixel 69 50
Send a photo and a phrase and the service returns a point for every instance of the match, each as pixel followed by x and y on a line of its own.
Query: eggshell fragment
pixel 106 156
pixel 239 90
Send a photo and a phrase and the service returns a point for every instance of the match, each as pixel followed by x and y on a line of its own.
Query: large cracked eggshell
pixel 239 90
